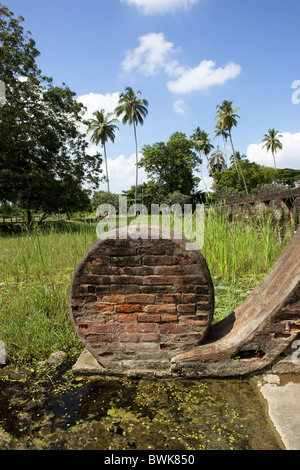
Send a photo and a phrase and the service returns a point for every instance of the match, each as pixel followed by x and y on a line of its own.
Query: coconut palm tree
pixel 207 148
pixel 227 118
pixel 134 110
pixel 217 161
pixel 225 135
pixel 272 142
pixel 197 138
pixel 103 129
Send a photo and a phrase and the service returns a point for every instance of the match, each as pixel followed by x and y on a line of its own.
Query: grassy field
pixel 36 269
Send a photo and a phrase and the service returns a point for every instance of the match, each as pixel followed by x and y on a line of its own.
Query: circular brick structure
pixel 137 302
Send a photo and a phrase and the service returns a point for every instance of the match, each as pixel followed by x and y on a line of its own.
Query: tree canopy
pixel 43 156
pixel 256 175
pixel 171 165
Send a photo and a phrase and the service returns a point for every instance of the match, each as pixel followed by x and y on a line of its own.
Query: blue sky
pixel 186 57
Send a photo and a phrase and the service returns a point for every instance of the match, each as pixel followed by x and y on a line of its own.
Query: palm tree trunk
pixel 200 160
pixel 237 164
pixel 274 159
pixel 106 168
pixel 209 165
pixel 136 164
pixel 224 141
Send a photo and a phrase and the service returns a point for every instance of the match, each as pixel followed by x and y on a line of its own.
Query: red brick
pixel 184 260
pixel 186 309
pixel 127 280
pixel 161 280
pixel 107 328
pixel 202 320
pixel 129 308
pixel 78 301
pixel 129 338
pixel 168 318
pixel 103 270
pixel 203 313
pixel 195 322
pixel 98 307
pixel 150 337
pixel 94 280
pixel 164 260
pixel 117 299
pixel 206 305
pixel 190 298
pixel 168 298
pixel 170 270
pixel 101 338
pixel 104 260
pixel 130 318
pixel 140 298
pixel 142 328
pixel 157 289
pixel 121 251
pixel 161 308
pixel 187 338
pixel 126 261
pixel 102 290
pixel 143 318
pixel 173 328
pixel 136 270
pixel 119 289
pixel 84 327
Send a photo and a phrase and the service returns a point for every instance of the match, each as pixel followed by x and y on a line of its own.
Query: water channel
pixel 54 410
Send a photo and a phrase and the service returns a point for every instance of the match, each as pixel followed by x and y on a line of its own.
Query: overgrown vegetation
pixel 36 269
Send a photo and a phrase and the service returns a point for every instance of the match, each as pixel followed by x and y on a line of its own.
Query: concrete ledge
pixel 283 403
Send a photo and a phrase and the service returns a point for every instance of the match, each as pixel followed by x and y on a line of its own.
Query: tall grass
pixel 36 269
pixel 35 273
pixel 239 253
pixel 242 246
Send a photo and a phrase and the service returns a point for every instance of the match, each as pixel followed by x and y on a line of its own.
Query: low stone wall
pixel 283 204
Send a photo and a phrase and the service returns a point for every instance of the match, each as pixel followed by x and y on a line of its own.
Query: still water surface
pixel 59 411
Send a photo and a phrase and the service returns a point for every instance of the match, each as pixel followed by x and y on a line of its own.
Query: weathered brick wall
pixel 283 205
pixel 141 300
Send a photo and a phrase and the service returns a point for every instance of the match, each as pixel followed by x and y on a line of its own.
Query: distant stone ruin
pixel 282 204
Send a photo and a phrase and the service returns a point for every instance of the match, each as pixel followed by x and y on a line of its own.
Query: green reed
pixel 36 270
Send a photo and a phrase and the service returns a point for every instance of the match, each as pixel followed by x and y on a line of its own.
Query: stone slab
pixel 86 364
pixel 283 402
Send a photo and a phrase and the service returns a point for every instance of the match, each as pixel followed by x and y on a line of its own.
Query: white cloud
pixel 121 172
pixel 152 7
pixel 179 106
pixel 155 54
pixel 151 56
pixel 97 101
pixel 203 77
pixel 288 157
